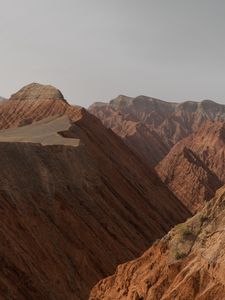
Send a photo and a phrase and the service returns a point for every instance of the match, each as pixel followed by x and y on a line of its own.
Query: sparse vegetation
pixel 185 235
pixel 185 231
pixel 180 255
pixel 203 218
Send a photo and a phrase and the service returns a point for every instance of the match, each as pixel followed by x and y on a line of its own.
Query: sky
pixel 94 50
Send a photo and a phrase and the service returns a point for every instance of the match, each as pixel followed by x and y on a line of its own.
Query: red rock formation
pixel 187 264
pixel 36 91
pixel 151 126
pixel 194 167
pixel 71 210
pixel 35 105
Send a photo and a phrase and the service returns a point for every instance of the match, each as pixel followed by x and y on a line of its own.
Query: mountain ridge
pixel 165 123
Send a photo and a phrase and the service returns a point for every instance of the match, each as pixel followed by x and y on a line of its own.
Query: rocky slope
pixel 75 201
pixel 150 126
pixel 187 264
pixel 194 167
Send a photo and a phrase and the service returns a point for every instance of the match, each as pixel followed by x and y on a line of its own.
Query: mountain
pixel 36 91
pixel 151 127
pixel 35 104
pixel 194 167
pixel 188 263
pixel 75 201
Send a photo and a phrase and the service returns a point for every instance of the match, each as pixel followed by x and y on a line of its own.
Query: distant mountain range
pixel 152 127
pixel 184 141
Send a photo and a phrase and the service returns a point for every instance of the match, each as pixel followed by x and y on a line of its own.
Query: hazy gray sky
pixel 96 49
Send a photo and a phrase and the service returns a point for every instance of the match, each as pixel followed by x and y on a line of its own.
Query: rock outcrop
pixel 75 201
pixel 194 167
pixel 187 264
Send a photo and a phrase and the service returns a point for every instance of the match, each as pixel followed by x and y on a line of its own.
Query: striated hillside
pixel 36 91
pixel 37 104
pixel 150 126
pixel 187 264
pixel 194 167
pixel 75 201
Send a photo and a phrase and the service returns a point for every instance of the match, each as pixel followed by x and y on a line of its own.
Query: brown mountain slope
pixel 75 201
pixel 194 167
pixel 151 126
pixel 187 264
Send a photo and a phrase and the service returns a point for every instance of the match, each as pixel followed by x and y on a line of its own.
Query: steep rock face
pixel 187 264
pixel 148 124
pixel 194 167
pixel 75 201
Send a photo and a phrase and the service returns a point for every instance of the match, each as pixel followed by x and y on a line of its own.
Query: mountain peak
pixel 36 91
pixel 121 100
